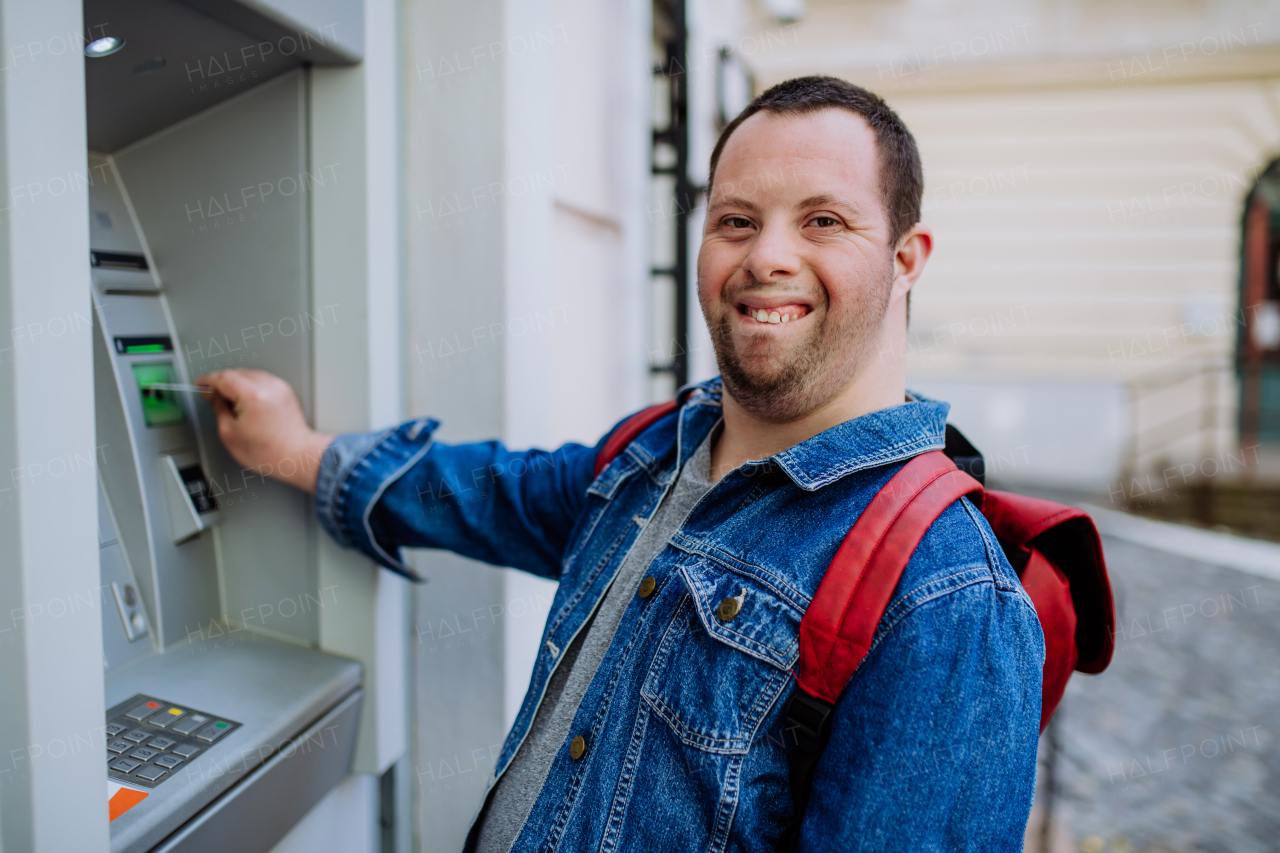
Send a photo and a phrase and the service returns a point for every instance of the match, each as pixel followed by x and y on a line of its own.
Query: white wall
pixel 525 163
pixel 583 266
pixel 52 781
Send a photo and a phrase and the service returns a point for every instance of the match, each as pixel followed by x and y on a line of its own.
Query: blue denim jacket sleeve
pixel 940 753
pixel 381 491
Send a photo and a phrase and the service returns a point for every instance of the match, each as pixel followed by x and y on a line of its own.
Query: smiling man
pixel 688 554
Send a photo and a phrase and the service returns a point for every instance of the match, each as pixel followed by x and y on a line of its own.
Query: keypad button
pixel 211 733
pixel 186 750
pixel 165 717
pixel 143 754
pixel 119 746
pixel 189 723
pixel 151 773
pixel 137 735
pixel 141 712
pixel 169 761
pixel 161 743
pixel 124 765
pixel 115 729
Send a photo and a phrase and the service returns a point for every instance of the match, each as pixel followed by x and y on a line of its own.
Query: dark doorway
pixel 1258 346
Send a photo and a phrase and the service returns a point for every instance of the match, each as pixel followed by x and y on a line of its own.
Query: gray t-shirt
pixel 518 789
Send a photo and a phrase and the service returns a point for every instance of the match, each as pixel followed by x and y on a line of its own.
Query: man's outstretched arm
pixel 381 491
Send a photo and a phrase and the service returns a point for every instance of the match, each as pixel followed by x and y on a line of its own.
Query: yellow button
pixel 175 711
pixel 728 609
pixel 577 747
pixel 647 586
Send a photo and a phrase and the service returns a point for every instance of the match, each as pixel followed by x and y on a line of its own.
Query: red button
pixel 153 704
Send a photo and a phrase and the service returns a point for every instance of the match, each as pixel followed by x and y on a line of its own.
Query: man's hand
pixel 261 423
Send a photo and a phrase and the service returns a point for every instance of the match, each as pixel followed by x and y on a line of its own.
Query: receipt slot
pixel 226 722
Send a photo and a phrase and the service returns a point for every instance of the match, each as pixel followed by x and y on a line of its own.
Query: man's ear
pixel 910 257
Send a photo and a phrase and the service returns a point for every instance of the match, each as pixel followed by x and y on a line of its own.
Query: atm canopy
pixel 183 56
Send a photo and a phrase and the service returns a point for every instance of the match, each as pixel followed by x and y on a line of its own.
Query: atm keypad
pixel 173 734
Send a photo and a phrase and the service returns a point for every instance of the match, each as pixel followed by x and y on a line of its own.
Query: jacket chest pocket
pixel 724 659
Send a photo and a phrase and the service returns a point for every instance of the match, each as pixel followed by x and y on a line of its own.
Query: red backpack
pixel 1055 550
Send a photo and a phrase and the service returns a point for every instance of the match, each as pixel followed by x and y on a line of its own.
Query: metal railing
pixel 1201 417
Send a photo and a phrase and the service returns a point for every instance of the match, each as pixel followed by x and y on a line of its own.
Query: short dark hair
pixel 901 176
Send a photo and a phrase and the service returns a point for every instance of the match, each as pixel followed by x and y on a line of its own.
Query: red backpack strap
pixel 837 629
pixel 630 430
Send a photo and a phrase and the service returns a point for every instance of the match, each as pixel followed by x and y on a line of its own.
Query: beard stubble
pixel 787 383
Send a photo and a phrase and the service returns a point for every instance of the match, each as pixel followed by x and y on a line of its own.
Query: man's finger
pixel 221 406
pixel 227 389
pixel 227 383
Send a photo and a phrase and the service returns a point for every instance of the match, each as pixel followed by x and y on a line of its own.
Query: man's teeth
pixel 763 316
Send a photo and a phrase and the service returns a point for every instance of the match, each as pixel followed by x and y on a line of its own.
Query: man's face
pixel 796 269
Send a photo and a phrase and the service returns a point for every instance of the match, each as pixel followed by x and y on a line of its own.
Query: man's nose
pixel 774 254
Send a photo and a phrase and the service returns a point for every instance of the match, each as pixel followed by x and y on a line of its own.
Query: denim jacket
pixel 933 746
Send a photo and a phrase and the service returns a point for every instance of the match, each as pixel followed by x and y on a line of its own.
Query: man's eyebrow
pixel 736 201
pixel 824 200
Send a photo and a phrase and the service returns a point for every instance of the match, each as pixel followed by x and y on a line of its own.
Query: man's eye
pixel 737 222
pixel 825 221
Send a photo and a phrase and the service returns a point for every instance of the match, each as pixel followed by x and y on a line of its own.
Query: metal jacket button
pixel 647 586
pixel 577 747
pixel 728 609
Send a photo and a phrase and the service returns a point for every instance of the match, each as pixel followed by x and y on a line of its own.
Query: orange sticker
pixel 122 798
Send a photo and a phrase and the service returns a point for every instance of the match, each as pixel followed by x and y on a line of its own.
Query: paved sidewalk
pixel 1177 746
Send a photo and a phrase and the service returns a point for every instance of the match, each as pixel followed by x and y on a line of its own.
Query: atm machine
pixel 225 722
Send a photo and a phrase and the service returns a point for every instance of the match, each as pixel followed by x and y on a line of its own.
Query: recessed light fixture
pixel 104 46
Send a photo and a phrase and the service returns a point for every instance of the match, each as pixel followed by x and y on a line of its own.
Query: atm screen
pixel 160 406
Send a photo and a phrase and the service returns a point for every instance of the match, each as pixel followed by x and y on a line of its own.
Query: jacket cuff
pixel 355 471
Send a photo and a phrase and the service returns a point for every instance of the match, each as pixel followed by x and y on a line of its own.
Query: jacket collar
pixel 878 438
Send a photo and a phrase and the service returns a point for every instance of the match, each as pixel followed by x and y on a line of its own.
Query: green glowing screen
pixel 160 406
